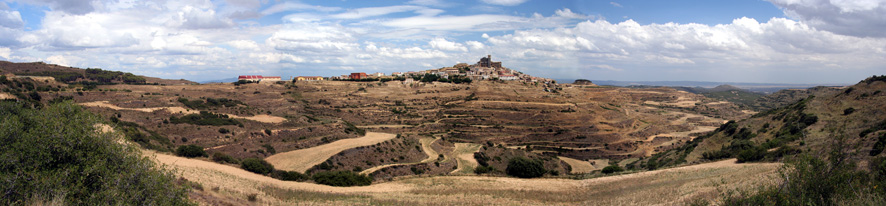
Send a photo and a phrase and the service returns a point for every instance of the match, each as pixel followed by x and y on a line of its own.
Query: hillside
pixel 71 75
pixel 852 116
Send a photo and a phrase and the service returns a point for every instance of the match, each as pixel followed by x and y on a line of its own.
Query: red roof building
pixel 360 75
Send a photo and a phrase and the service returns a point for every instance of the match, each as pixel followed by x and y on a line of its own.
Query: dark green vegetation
pixel 341 178
pixel 91 76
pixel 224 158
pixel 145 137
pixel 611 169
pixel 834 179
pixel 209 103
pixel 190 151
pixel 25 90
pixel 258 166
pixel 56 154
pixel 289 176
pixel 525 168
pixel 204 118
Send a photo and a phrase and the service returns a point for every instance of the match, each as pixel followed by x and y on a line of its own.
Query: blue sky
pixel 773 41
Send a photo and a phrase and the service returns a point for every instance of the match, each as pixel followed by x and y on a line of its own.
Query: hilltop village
pixel 485 69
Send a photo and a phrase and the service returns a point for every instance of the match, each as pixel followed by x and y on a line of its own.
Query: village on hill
pixel 485 69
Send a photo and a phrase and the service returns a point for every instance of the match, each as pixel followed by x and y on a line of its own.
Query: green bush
pixel 259 166
pixel 190 151
pixel 525 168
pixel 224 158
pixel 611 169
pixel 752 154
pixel 204 118
pixel 483 169
pixel 55 153
pixel 289 175
pixel 341 178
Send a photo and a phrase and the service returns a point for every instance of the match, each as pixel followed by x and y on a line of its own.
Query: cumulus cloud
pixel 475 45
pixel 76 7
pixel 195 18
pixel 856 17
pixel 11 19
pixel 442 44
pixel 615 4
pixel 504 2
pixel 5 52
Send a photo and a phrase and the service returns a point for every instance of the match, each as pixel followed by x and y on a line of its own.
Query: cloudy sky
pixel 774 41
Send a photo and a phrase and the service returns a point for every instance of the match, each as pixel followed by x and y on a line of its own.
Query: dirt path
pixel 425 146
pixel 258 118
pixel 303 159
pixel 464 155
pixel 578 166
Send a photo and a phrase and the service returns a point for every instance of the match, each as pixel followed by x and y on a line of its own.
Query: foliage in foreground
pixel 341 178
pixel 57 154
pixel 832 180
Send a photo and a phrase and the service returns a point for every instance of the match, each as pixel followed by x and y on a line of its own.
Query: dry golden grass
pixel 464 154
pixel 303 159
pixel 661 187
pixel 578 166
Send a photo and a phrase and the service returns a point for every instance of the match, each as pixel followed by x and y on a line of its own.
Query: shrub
pixel 611 169
pixel 752 154
pixel 289 175
pixel 341 178
pixel 224 158
pixel 56 152
pixel 483 169
pixel 258 166
pixel 204 118
pixel 190 151
pixel 525 168
pixel 223 130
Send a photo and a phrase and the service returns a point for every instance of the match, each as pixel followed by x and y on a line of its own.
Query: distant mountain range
pixel 228 80
pixel 754 87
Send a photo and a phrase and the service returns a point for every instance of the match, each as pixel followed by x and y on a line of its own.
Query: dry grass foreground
pixel 230 185
pixel 303 159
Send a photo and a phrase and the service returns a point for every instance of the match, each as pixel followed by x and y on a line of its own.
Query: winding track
pixel 425 145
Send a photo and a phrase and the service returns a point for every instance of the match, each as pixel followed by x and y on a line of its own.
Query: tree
pixel 190 151
pixel 525 168
pixel 612 169
pixel 258 166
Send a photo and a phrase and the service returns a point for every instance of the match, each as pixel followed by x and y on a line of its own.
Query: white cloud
pixel 294 6
pixel 475 45
pixel 504 2
pixel 442 44
pixel 5 52
pixel 195 18
pixel 615 4
pixel 76 7
pixel 244 45
pixel 11 19
pixel 849 17
pixel 374 11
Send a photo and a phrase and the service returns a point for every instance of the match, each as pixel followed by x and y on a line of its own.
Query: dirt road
pixel 303 159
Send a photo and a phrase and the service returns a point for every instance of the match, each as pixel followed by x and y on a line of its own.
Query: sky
pixel 758 41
